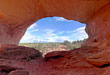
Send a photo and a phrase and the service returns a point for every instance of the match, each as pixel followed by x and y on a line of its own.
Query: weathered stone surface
pixel 19 72
pixel 100 59
pixel 14 52
pixel 73 62
pixel 98 28
pixel 17 16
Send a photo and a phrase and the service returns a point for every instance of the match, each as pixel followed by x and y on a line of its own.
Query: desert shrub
pixel 47 47
pixel 68 44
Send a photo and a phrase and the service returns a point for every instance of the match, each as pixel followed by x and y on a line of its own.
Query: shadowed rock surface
pixel 13 52
pixel 81 61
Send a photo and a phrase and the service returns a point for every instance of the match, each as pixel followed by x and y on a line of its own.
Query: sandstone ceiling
pixel 17 15
pixel 93 58
pixel 16 11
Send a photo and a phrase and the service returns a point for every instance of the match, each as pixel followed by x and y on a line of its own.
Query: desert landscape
pixel 49 47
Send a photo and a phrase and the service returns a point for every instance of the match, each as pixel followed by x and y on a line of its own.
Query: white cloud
pixel 62 19
pixel 49 32
pixel 34 30
pixel 62 38
pixel 56 38
pixel 79 34
pixel 80 30
pixel 50 36
pixel 28 38
pixel 61 32
pixel 32 26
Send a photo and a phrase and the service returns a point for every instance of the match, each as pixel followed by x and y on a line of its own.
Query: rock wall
pixel 98 28
pixel 16 16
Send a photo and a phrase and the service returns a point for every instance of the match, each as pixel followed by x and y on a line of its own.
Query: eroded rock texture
pixel 19 60
pixel 16 16
pixel 93 58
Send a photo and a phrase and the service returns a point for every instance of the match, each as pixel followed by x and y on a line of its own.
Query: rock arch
pixel 17 15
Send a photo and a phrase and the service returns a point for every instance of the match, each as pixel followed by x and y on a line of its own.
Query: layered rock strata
pixel 19 60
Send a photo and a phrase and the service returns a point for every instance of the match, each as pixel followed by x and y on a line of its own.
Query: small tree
pixel 68 44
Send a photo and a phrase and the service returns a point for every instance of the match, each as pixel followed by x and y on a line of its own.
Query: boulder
pixel 14 52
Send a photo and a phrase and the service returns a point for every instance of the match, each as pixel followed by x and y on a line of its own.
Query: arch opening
pixel 54 33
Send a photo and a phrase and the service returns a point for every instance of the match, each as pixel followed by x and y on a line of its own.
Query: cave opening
pixel 54 34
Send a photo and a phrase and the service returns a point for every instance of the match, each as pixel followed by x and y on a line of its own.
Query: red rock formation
pixel 91 59
pixel 98 28
pixel 27 61
pixel 17 16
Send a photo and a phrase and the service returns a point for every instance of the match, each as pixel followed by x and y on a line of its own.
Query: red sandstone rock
pixel 73 62
pixel 18 72
pixel 100 59
pixel 13 52
pixel 107 72
pixel 17 15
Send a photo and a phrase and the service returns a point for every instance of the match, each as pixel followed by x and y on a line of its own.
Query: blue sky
pixel 54 29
